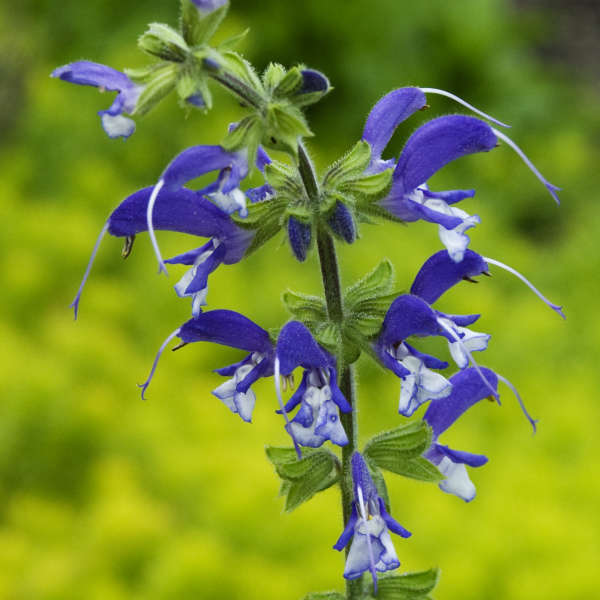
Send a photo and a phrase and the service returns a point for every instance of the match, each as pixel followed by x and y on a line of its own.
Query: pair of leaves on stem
pixel 365 304
pixel 410 586
pixel 398 451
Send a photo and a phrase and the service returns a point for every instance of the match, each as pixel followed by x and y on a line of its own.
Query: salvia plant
pixel 327 334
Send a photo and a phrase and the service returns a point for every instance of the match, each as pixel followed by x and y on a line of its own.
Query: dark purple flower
pixel 207 6
pixel 84 72
pixel 372 549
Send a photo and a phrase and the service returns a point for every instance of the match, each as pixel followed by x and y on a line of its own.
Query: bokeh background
pixel 103 496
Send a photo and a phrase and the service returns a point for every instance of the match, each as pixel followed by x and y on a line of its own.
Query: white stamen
pixel 276 374
pixel 161 265
pixel 146 383
pixel 468 353
pixel 530 285
pixel 521 403
pixel 549 186
pixel 75 304
pixel 461 101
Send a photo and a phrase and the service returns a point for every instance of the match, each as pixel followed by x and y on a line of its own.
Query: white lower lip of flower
pixel 457 480
pixel 117 125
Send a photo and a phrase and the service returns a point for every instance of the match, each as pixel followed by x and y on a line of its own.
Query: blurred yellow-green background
pixel 103 496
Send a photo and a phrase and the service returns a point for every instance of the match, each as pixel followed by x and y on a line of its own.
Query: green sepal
pixel 289 83
pixel 191 81
pixel 324 596
pixel 163 41
pixel 308 309
pixel 317 470
pixel 284 124
pixel 266 218
pixel 197 28
pixel 369 185
pixel 284 179
pixel 231 42
pixel 351 165
pixel 143 75
pixel 378 282
pixel 373 213
pixel 244 70
pixel 409 586
pixel 272 75
pixel 406 441
pixel 156 88
pixel 245 135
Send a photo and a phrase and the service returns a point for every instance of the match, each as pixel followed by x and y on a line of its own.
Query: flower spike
pixel 75 304
pixel 464 103
pixel 549 186
pixel 146 383
pixel 554 307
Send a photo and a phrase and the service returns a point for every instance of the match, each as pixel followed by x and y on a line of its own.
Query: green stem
pixel 240 89
pixel 330 274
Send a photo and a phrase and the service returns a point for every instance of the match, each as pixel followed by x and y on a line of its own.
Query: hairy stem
pixel 330 274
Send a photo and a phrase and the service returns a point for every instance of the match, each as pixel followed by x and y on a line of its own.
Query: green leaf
pixel 407 441
pixel 308 309
pixel 158 86
pixel 324 596
pixel 315 471
pixel 376 283
pixel 198 27
pixel 192 81
pixel 407 586
pixel 353 163
pixel 163 41
pixel 284 124
pixel 380 484
pixel 328 334
pixel 414 468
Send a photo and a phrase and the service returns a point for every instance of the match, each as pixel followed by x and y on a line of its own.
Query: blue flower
pixel 192 163
pixel 184 211
pixel 232 329
pixel 84 72
pixel 368 525
pixel 432 146
pixel 318 395
pixel 412 315
pixel 467 389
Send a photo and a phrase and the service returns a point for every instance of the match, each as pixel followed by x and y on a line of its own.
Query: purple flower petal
pixel 209 5
pixel 462 457
pixel 198 160
pixel 227 328
pixel 313 81
pixel 387 114
pixel 297 347
pixel 439 273
pixel 300 236
pixel 362 479
pixel 408 315
pixel 468 388
pixel 437 143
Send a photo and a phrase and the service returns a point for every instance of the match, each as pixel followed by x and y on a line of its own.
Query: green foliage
pixel 400 449
pixel 409 586
pixel 311 310
pixel 160 83
pixel 325 596
pixel 302 478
